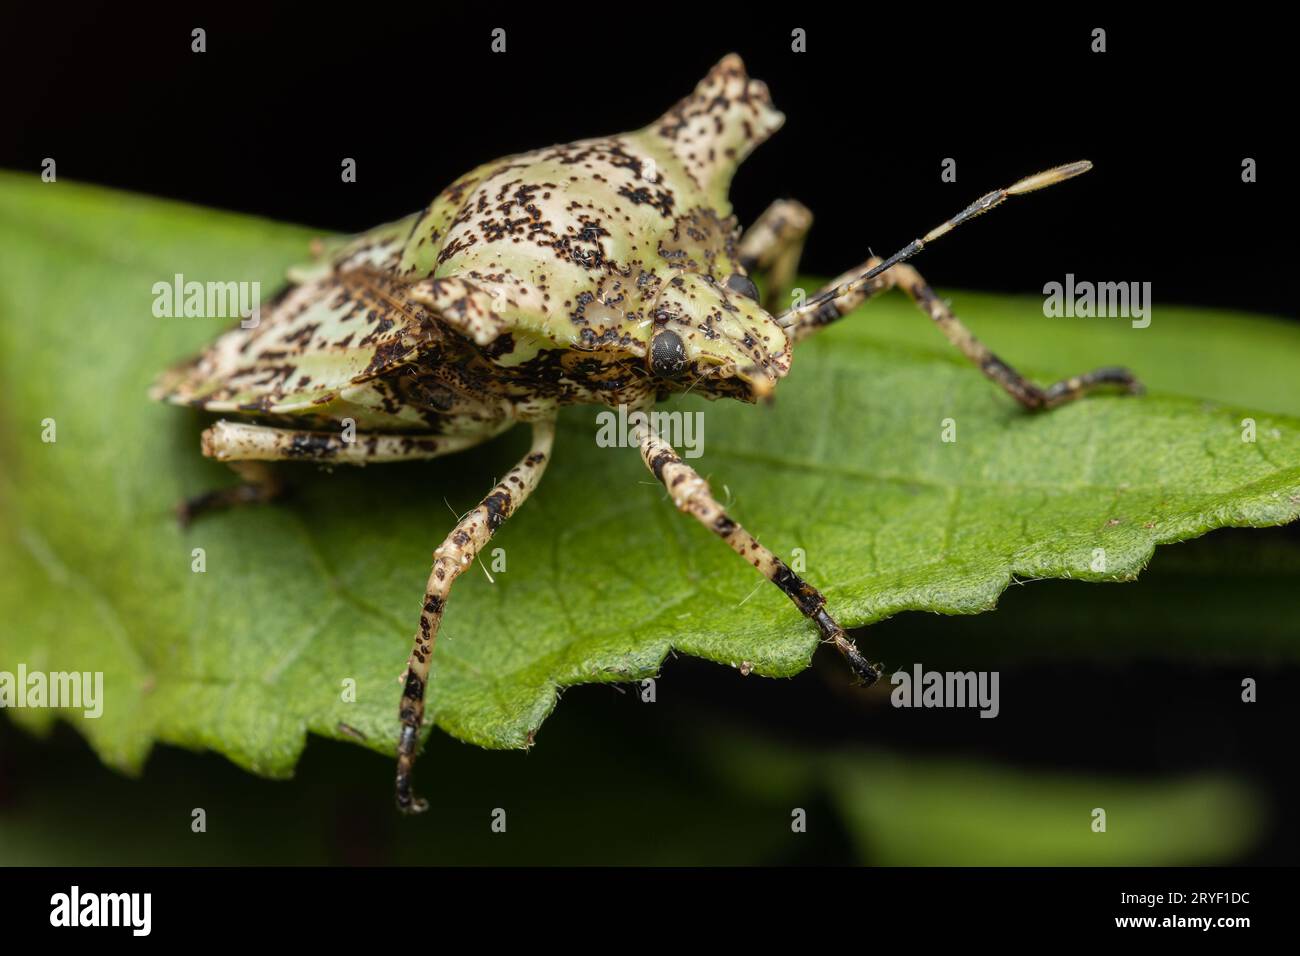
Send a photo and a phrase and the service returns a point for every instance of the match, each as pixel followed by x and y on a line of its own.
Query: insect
pixel 608 271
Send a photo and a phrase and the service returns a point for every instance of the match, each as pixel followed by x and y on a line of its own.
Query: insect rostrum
pixel 608 271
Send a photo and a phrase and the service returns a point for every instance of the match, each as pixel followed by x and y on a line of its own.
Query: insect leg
pixel 854 279
pixel 240 441
pixel 691 495
pixel 246 448
pixel 774 243
pixel 1031 396
pixel 260 485
pixel 455 554
pixel 809 321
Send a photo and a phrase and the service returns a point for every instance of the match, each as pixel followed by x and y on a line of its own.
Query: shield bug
pixel 608 271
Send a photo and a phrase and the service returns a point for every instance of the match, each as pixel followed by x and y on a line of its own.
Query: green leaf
pixel 918 810
pixel 1215 599
pixel 961 813
pixel 604 577
pixel 716 796
pixel 339 808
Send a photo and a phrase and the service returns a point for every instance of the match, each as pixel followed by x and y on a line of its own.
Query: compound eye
pixel 667 354
pixel 742 285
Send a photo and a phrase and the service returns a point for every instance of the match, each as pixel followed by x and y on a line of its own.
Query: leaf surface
pixel 603 577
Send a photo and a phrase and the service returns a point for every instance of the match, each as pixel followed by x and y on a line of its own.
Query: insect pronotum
pixel 608 271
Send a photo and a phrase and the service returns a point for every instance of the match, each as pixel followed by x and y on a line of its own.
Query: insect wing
pixel 314 340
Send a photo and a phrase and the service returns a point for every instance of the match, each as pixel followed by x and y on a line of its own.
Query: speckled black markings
pixel 609 271
pixel 459 549
pixel 691 494
pixel 498 508
pixel 1028 394
pixel 313 445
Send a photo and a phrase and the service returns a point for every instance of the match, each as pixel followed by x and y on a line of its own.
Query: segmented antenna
pixel 1029 184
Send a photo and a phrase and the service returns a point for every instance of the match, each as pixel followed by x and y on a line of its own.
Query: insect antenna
pixel 1048 177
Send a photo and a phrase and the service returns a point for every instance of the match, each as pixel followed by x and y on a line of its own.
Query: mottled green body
pixel 608 271
pixel 532 282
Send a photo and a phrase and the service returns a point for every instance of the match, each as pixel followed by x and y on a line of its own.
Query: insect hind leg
pixel 260 484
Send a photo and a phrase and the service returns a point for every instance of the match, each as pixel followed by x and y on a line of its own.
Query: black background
pixel 261 122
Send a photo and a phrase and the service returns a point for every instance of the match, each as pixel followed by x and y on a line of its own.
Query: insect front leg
pixel 1031 396
pixel 691 495
pixel 903 275
pixel 455 554
pixel 840 297
pixel 774 243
